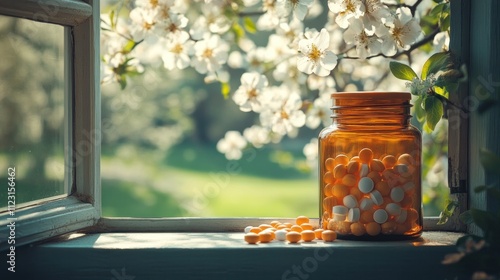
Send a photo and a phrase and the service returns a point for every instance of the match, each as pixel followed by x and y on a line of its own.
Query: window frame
pixel 82 206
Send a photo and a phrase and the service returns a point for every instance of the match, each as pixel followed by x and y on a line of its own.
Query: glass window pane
pixel 31 109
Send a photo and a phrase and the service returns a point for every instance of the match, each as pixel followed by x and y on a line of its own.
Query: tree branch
pixel 413 8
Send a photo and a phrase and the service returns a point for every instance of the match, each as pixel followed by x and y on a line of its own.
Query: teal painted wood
pixel 484 77
pixel 162 256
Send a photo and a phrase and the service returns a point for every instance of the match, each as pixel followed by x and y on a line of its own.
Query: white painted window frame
pixel 82 206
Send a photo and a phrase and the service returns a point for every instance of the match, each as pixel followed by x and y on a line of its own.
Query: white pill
pixel 248 228
pixel 353 215
pixel 377 197
pixel 340 210
pixel 364 170
pixel 365 185
pixel 339 218
pixel 402 217
pixel 408 186
pixel 366 203
pixel 393 209
pixel 397 194
pixel 380 216
pixel 401 168
pixel 350 201
pixel 281 234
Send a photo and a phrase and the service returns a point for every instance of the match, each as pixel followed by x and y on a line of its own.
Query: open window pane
pixel 31 110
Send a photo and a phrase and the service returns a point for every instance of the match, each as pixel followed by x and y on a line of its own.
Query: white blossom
pixel 310 150
pixel 270 19
pixel 144 21
pixel 249 95
pixel 231 145
pixel 441 42
pixel 178 51
pixel 319 112
pixel 283 114
pixel 420 87
pixel 298 7
pixel 365 45
pixel 345 10
pixel 210 54
pixel 404 32
pixel 257 135
pixel 314 54
pixel 376 15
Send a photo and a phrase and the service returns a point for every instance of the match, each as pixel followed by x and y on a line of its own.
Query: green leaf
pixel 239 32
pixel 131 44
pixel 444 23
pixel 490 161
pixel 447 212
pixel 436 11
pixel 433 111
pixel 402 71
pixel 435 63
pixel 112 19
pixel 419 110
pixel 249 25
pixel 225 90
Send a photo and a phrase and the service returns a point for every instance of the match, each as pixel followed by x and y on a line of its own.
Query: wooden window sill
pixel 122 256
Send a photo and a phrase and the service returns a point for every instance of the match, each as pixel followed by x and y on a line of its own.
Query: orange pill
pixel 388 227
pixel 341 159
pixel 329 164
pixel 328 235
pixel 318 232
pixel 355 158
pixel 389 161
pixel 373 228
pixel 328 177
pixel 301 219
pixel 358 229
pixel 339 171
pixel 344 227
pixel 293 237
pixel 367 216
pixel 349 180
pixel 340 190
pixel 251 238
pixel 353 167
pixel 329 202
pixel 356 193
pixel 306 226
pixel 383 188
pixel 274 224
pixel 308 235
pixel 296 228
pixel 281 227
pixel 265 226
pixel 255 229
pixel 375 176
pixel 265 236
pixel 406 159
pixel 288 225
pixel 327 190
pixel 365 155
pixel 377 165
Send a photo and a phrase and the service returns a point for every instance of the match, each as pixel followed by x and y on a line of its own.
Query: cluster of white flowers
pixel 280 74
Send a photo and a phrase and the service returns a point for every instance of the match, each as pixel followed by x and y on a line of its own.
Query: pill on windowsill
pixel 248 228
pixel 252 238
pixel 328 235
pixel 265 236
pixel 293 237
pixel 301 219
pixel 281 234
pixel 306 226
pixel 365 185
pixel 317 233
pixel 380 216
pixel 308 235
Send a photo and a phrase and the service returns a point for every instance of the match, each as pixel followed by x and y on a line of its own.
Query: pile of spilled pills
pixel 302 230
pixel 363 195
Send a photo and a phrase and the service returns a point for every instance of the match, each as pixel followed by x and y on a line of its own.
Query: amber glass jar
pixel 370 168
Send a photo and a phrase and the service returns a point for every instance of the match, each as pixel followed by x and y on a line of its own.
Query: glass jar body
pixel 370 173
